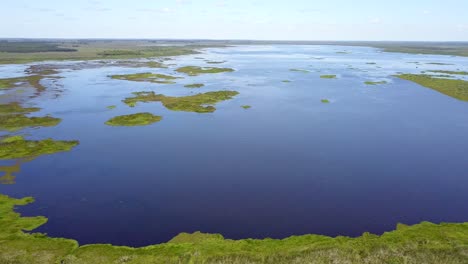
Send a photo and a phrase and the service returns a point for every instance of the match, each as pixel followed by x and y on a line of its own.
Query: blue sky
pixel 237 19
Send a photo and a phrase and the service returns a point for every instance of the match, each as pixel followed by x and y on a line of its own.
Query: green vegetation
pixel 215 62
pixel 31 47
pixel 155 64
pixel 16 108
pixel 438 63
pixel 455 88
pixel 375 83
pixel 199 103
pixel 328 76
pixel 299 70
pixel 196 70
pixel 17 147
pixel 140 119
pixel 147 77
pixel 31 80
pixel 422 243
pixel 343 52
pixel 110 107
pixel 325 101
pixel 452 72
pixel 16 122
pixel 286 81
pixel 195 85
pixel 246 106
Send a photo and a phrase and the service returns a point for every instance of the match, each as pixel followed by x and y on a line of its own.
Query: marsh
pixel 313 155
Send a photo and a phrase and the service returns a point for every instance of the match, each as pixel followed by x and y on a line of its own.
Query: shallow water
pixel 291 165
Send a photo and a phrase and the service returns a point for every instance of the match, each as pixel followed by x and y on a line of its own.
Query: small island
pixel 17 147
pixel 147 77
pixel 140 119
pixel 196 70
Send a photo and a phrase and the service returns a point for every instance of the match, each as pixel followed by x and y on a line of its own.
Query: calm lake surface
pixel 291 165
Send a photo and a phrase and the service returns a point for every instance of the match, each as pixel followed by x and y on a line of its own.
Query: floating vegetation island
pixel 18 121
pixel 325 101
pixel 451 72
pixel 455 88
pixel 16 108
pixel 200 103
pixel 196 70
pixel 195 85
pixel 375 83
pixel 328 76
pixel 31 80
pixel 147 77
pixel 140 119
pixel 17 147
pixel 246 106
pixel 299 70
pixel 421 243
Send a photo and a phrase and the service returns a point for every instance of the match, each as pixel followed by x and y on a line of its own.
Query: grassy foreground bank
pixel 422 243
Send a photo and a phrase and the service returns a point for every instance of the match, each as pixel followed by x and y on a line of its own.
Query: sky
pixel 415 20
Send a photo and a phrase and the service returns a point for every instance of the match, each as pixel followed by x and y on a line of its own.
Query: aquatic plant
pixel 328 76
pixel 375 83
pixel 215 62
pixel 451 72
pixel 20 121
pixel 110 107
pixel 17 147
pixel 196 70
pixel 246 106
pixel 286 81
pixel 455 88
pixel 299 70
pixel 147 77
pixel 32 80
pixel 195 85
pixel 16 108
pixel 325 101
pixel 422 243
pixel 200 103
pixel 139 119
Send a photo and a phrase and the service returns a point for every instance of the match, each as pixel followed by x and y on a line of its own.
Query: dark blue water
pixel 290 165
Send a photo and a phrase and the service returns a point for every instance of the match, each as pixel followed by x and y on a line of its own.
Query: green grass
pixel 286 81
pixel 325 101
pixel 16 108
pixel 438 63
pixel 455 88
pixel 147 77
pixel 422 243
pixel 246 106
pixel 299 70
pixel 17 147
pixel 110 107
pixel 195 85
pixel 375 83
pixel 199 103
pixel 215 62
pixel 16 122
pixel 451 72
pixel 31 80
pixel 196 70
pixel 140 119
pixel 328 76
pixel 31 47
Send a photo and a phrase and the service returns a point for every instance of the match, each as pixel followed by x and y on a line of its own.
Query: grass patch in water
pixel 246 106
pixel 32 80
pixel 147 77
pixel 16 108
pixel 286 81
pixel 451 72
pixel 195 85
pixel 199 103
pixel 375 83
pixel 455 88
pixel 325 101
pixel 438 63
pixel 110 107
pixel 299 70
pixel 196 70
pixel 140 119
pixel 17 147
pixel 16 122
pixel 421 243
pixel 215 62
pixel 328 76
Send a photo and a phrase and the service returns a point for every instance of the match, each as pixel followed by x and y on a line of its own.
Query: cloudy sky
pixel 237 19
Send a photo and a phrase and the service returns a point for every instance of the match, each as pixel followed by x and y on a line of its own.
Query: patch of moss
pixel 246 106
pixel 455 88
pixel 147 77
pixel 451 72
pixel 328 76
pixel 195 85
pixel 199 103
pixel 19 121
pixel 375 83
pixel 422 243
pixel 196 70
pixel 299 70
pixel 325 101
pixel 8 178
pixel 18 147
pixel 16 108
pixel 110 107
pixel 140 119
